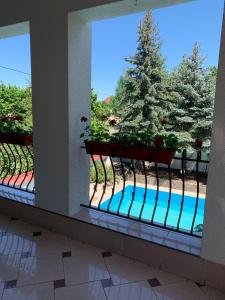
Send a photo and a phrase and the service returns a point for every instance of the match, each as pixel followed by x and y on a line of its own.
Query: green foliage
pixel 199 228
pixel 133 138
pixel 99 130
pixel 141 90
pixel 101 176
pixel 120 95
pixel 146 93
pixel 171 141
pixel 192 89
pixel 213 71
pixel 99 110
pixel 16 101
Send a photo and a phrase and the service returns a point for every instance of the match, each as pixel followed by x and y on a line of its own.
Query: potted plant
pixel 13 131
pixel 96 138
pixel 136 145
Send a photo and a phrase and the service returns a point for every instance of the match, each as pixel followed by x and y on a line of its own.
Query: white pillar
pixel 61 85
pixel 50 109
pixel 213 244
pixel 79 60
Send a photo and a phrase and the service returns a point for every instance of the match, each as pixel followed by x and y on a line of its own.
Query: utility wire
pixel 14 70
pixel 18 71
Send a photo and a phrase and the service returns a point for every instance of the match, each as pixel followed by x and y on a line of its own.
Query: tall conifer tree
pixel 143 84
pixel 193 92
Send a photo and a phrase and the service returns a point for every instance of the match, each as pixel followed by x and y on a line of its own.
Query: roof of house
pixel 107 100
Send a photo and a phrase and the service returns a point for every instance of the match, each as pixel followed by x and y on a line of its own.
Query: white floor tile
pixel 18 226
pixel 9 267
pixel 15 243
pixel 44 291
pixel 165 277
pixel 4 222
pixel 89 291
pixel 78 248
pixel 179 291
pixel 40 269
pixel 131 291
pixel 49 242
pixel 124 270
pixel 84 268
pixel 213 294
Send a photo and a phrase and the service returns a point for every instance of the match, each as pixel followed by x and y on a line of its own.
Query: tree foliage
pixel 141 90
pixel 193 92
pixel 16 101
pixel 147 94
pixel 100 113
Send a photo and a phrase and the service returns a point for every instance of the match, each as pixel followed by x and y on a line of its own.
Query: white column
pixel 213 244
pixel 79 66
pixel 49 60
pixel 61 72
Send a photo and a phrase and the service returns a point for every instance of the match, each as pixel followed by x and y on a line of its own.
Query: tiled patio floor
pixel 39 264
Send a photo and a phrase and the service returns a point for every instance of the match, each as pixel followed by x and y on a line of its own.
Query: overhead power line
pixel 15 70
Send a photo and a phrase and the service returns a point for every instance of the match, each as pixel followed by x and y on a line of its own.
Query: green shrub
pixel 199 228
pixel 101 177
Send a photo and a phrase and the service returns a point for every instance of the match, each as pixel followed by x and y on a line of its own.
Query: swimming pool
pixel 187 215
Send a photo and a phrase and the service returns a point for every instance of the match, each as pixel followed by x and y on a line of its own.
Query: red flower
pixel 198 143
pixel 158 141
pixel 18 118
pixel 83 119
pixel 164 121
pixel 112 122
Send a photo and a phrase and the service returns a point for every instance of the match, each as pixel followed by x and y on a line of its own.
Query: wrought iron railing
pixel 16 167
pixel 168 196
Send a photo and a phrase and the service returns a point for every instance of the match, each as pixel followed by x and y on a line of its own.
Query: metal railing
pixel 16 167
pixel 161 195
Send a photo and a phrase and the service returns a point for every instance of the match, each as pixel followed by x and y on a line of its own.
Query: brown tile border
pixel 59 283
pixel 10 284
pixel 154 282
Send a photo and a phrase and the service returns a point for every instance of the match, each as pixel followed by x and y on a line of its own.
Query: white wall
pixel 14 30
pixel 213 247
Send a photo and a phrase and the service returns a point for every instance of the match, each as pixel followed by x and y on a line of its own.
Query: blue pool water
pixel 187 215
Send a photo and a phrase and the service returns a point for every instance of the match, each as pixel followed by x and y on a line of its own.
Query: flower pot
pixel 16 139
pixel 99 148
pixel 153 154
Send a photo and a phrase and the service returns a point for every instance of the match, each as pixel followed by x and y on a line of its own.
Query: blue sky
pixel 180 27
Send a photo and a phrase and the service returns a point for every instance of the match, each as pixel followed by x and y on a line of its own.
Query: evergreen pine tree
pixel 142 92
pixel 193 90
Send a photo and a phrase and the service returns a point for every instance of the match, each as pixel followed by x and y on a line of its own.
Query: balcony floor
pixel 39 264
